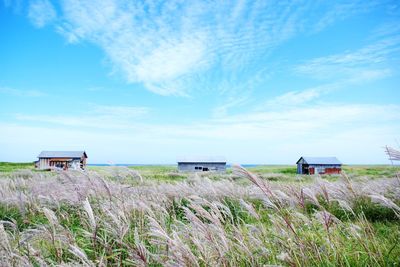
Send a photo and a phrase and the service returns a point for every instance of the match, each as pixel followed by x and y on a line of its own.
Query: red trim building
pixel 319 165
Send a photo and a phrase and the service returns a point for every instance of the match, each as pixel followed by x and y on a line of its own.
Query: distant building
pixel 62 160
pixel 202 164
pixel 319 165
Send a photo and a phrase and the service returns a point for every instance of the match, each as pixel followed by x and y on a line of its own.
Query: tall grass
pixel 123 218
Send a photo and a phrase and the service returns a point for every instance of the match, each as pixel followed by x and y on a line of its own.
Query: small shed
pixel 217 164
pixel 319 165
pixel 62 160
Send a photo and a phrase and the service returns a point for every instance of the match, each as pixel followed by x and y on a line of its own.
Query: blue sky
pixel 148 82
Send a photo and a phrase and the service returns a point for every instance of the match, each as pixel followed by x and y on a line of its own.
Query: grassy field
pixel 156 216
pixel 10 166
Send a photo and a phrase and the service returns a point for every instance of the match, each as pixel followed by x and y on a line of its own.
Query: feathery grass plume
pixel 326 218
pixel 33 234
pixel 51 217
pixel 73 182
pixel 345 205
pixel 4 242
pixel 99 178
pixel 393 154
pixel 269 198
pixel 386 202
pixel 135 173
pixel 311 196
pixel 119 224
pixel 284 256
pixel 80 254
pixel 325 191
pixel 88 209
pixel 250 209
pixel 140 255
pixel 177 252
pixel 265 187
pixel 346 180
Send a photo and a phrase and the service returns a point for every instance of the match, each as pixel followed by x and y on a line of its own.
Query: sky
pixel 147 82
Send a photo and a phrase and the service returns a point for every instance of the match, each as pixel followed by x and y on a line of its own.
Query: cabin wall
pixel 326 169
pixel 44 164
pixel 75 163
pixel 84 163
pixel 336 170
pixel 198 167
pixel 299 168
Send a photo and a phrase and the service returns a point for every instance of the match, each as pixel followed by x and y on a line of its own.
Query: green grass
pixel 22 217
pixel 282 169
pixel 273 173
pixel 372 171
pixel 162 173
pixel 11 166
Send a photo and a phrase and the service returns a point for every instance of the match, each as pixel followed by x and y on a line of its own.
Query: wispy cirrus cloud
pixel 232 102
pixel 297 98
pixel 343 10
pixel 173 47
pixel 41 12
pixel 368 63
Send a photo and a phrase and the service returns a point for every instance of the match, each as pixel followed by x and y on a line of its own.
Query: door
pixel 305 169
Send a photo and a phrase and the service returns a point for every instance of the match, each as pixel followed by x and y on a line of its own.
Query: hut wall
pixel 328 169
pixel 201 166
pixel 44 163
pixel 299 168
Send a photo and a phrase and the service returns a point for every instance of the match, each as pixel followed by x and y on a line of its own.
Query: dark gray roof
pixel 62 154
pixel 201 160
pixel 321 160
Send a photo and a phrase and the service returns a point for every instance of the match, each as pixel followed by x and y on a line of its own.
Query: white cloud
pixel 41 12
pixel 170 60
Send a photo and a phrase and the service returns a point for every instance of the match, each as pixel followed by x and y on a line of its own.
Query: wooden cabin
pixel 62 160
pixel 319 165
pixel 202 164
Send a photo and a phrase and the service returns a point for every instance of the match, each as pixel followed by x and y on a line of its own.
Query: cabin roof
pixel 201 160
pixel 321 160
pixel 62 154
